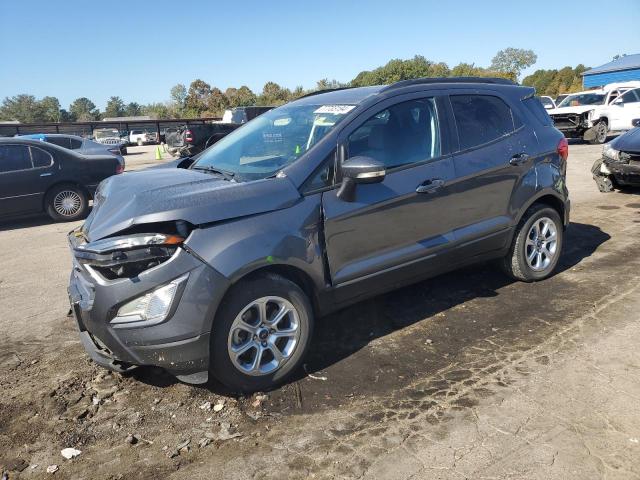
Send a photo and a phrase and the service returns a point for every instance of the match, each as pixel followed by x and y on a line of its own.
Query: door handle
pixel 519 159
pixel 430 186
pixel 46 174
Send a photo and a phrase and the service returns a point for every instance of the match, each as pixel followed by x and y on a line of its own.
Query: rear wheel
pixel 601 132
pixel 260 334
pixel 66 203
pixel 536 246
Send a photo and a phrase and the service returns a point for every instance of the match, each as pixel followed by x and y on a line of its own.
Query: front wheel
pixel 66 203
pixel 260 334
pixel 536 246
pixel 601 132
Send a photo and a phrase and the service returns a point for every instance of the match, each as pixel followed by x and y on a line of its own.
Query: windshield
pixel 582 99
pixel 271 141
pixel 546 101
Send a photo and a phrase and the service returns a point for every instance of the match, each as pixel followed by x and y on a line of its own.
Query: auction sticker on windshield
pixel 335 109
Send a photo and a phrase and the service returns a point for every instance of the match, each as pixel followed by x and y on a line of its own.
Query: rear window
pixel 535 107
pixel 60 141
pixel 75 143
pixel 40 158
pixel 481 119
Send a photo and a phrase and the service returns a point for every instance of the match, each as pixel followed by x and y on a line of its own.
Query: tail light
pixel 563 148
pixel 119 168
pixel 188 136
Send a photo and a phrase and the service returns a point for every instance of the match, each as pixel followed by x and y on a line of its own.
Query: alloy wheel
pixel 541 246
pixel 264 335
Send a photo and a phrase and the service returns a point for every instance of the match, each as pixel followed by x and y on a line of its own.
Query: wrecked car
pixel 620 163
pixel 221 268
pixel 582 114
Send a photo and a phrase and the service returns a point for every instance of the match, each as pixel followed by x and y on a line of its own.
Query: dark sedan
pixel 620 163
pixel 37 177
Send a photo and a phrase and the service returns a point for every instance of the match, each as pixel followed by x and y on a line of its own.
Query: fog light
pixel 152 307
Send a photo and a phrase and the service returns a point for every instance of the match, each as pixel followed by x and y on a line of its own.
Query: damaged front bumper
pixel 573 125
pixel 179 342
pixel 623 172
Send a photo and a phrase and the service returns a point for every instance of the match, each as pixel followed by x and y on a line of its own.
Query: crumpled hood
pixel 629 142
pixel 565 110
pixel 161 195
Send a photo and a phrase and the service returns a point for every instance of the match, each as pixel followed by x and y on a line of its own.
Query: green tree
pixel 273 94
pixel 554 82
pixel 23 108
pixel 155 110
pixel 178 99
pixel 49 109
pixel 216 103
pixel 513 61
pixel 198 97
pixel 115 107
pixel 83 110
pixel 133 109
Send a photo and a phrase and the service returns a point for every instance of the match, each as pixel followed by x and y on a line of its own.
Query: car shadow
pixel 34 220
pixel 342 334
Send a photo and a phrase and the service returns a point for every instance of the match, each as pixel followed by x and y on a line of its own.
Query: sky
pixel 138 50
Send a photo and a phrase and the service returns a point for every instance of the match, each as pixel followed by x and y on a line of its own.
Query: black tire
pixel 601 133
pixel 515 263
pixel 76 209
pixel 239 297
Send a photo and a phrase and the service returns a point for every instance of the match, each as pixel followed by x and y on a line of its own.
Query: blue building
pixel 623 69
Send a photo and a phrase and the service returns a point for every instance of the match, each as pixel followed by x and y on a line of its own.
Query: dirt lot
pixel 468 375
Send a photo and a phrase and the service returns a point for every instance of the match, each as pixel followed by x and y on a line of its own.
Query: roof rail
pixel 326 90
pixel 428 80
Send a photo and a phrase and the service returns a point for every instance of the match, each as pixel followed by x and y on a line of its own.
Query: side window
pixel 323 176
pixel 399 135
pixel 60 141
pixel 481 119
pixel 40 158
pixel 14 157
pixel 75 143
pixel 630 97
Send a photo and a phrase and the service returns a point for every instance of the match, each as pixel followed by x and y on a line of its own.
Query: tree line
pixel 201 99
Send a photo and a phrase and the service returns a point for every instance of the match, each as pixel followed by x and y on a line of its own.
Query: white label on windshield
pixel 335 109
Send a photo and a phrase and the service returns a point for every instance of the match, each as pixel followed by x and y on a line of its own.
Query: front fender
pixel 288 237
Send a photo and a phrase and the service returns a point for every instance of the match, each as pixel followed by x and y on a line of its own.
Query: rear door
pixel 495 150
pixel 23 178
pixel 390 225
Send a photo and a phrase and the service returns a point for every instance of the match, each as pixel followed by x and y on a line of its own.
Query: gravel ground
pixel 468 375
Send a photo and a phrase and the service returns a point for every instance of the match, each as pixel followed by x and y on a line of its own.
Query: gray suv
pixel 223 267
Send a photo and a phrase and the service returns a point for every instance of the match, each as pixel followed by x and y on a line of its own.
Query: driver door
pixel 391 227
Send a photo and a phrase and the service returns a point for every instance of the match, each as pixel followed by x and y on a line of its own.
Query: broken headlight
pixel 611 153
pixel 127 256
pixel 151 307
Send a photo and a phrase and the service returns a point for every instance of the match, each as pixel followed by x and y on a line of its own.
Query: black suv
pixel 222 267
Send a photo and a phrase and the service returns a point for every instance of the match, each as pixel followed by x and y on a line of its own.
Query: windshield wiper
pixel 225 173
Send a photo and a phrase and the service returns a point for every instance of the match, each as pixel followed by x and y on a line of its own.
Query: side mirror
pixel 359 170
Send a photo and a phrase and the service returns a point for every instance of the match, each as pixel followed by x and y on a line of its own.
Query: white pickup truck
pixel 579 115
pixel 142 137
pixel 619 114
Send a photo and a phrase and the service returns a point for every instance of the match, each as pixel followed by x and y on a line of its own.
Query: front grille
pixel 568 120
